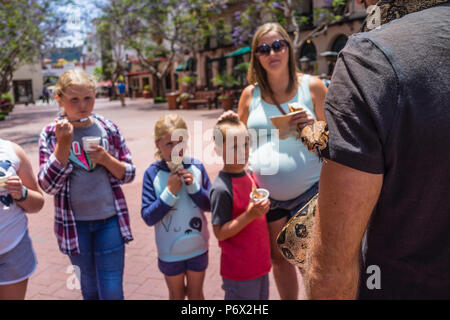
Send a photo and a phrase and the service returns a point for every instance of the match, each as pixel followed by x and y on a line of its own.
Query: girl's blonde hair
pixel 74 77
pixel 167 125
pixel 257 74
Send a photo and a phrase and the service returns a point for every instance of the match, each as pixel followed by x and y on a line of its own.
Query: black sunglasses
pixel 277 46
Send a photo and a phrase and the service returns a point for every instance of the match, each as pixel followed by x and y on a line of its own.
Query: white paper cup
pixel 90 143
pixel 260 190
pixel 3 180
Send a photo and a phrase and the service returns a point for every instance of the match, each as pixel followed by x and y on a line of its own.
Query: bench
pixel 203 98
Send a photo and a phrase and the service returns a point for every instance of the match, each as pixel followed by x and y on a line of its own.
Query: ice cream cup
pixel 261 191
pixel 90 143
pixel 3 180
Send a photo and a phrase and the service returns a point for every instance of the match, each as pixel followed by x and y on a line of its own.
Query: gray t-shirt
pixel 388 111
pixel 91 194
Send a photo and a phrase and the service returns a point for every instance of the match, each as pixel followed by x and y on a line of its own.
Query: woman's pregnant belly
pixel 284 167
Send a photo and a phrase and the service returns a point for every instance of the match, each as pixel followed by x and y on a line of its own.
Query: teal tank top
pixel 284 167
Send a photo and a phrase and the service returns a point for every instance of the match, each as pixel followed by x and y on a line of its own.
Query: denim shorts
pixel 288 208
pixel 254 289
pixel 19 263
pixel 197 264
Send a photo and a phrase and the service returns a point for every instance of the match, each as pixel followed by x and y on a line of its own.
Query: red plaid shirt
pixel 54 179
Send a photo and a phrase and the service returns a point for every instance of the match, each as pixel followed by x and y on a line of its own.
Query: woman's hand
pixel 301 120
pixel 187 176
pixel 64 132
pixel 14 186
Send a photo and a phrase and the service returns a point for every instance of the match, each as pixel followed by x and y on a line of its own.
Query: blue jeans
pixel 101 260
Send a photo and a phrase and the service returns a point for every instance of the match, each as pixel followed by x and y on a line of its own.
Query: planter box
pixel 184 103
pixel 227 103
pixel 172 100
pixel 6 107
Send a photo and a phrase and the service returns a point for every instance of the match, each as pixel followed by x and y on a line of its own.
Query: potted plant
pixel 188 82
pixel 226 82
pixel 227 99
pixel 6 104
pixel 172 100
pixel 147 93
pixel 137 93
pixel 183 99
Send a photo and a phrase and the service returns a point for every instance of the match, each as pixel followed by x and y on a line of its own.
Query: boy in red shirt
pixel 239 223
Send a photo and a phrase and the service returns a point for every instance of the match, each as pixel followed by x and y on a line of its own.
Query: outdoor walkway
pixel 54 277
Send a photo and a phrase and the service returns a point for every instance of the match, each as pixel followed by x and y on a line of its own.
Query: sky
pixel 78 13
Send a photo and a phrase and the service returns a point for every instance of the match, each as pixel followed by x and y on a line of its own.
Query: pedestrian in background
pixel 19 194
pixel 121 88
pixel 83 161
pixel 175 195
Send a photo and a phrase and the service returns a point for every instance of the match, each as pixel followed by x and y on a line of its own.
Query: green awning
pixel 185 66
pixel 181 67
pixel 239 52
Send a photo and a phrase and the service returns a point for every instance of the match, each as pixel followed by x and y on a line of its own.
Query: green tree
pixel 27 29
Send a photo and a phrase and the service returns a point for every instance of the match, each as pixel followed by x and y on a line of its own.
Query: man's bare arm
pixel 347 198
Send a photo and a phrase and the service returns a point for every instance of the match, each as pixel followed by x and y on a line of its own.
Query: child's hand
pixel 174 183
pixel 64 132
pixel 99 156
pixel 258 209
pixel 187 176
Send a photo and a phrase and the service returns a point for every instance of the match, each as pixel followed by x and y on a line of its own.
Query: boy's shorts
pixel 254 289
pixel 197 264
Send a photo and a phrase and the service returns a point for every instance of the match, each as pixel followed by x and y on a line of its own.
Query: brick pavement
pixel 53 279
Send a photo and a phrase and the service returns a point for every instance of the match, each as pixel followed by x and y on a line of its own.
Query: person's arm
pixel 34 200
pixel 155 208
pixel 234 226
pixel 244 103
pixel 102 157
pixel 122 167
pixel 318 92
pixel 52 173
pixel 64 135
pixel 199 190
pixel 347 198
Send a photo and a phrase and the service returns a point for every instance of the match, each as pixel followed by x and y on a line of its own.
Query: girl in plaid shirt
pixel 91 216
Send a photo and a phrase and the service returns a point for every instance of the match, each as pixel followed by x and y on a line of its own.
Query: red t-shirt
pixel 246 255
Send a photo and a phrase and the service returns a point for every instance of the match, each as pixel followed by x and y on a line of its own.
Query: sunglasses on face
pixel 277 46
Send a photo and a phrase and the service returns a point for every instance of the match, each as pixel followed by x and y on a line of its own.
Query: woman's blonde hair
pixel 257 74
pixel 74 77
pixel 167 125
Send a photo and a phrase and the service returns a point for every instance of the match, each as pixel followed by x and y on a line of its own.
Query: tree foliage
pixel 27 29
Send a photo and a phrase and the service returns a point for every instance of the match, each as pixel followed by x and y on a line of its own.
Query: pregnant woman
pixel 284 167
